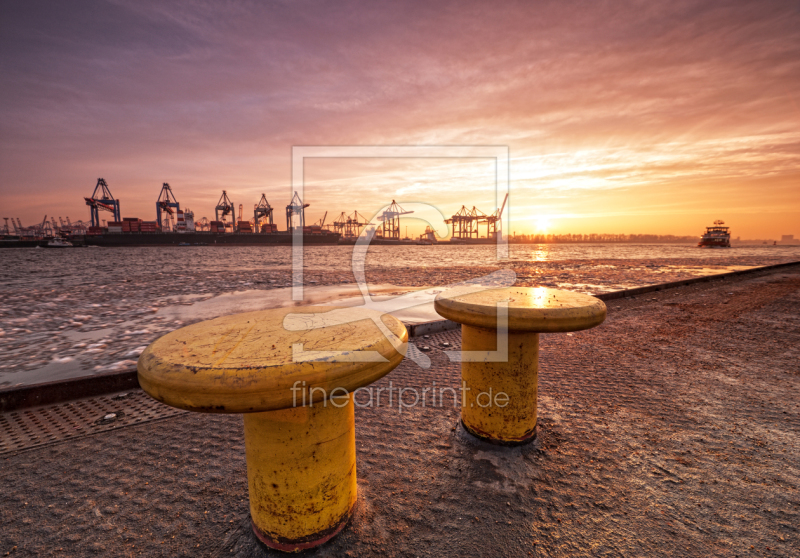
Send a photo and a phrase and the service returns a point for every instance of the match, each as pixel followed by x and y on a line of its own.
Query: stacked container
pixel 131 224
pixel 115 226
pixel 148 226
pixel 244 227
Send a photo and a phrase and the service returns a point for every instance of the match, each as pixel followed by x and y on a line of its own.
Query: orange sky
pixel 620 117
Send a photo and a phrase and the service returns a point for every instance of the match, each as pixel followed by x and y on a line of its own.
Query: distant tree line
pixel 598 238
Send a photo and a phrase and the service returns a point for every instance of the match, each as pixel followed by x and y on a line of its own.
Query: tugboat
pixel 717 236
pixel 58 242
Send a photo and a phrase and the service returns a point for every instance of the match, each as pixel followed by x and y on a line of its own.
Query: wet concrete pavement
pixel 671 430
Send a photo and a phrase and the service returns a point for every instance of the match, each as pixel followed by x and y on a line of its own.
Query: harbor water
pixel 81 311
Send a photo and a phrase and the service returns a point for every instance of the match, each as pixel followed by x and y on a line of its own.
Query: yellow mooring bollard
pixel 292 376
pixel 500 381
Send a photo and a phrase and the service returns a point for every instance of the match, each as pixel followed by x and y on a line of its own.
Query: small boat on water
pixel 718 236
pixel 58 243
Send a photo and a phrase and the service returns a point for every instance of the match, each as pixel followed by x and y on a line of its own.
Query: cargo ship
pixel 718 236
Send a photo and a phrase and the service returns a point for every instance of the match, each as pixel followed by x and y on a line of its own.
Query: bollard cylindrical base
pixel 499 399
pixel 301 472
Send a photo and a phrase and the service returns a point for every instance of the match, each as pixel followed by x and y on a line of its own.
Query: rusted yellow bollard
pixel 293 379
pixel 500 383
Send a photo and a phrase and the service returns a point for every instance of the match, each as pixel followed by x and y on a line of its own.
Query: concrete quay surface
pixel 673 429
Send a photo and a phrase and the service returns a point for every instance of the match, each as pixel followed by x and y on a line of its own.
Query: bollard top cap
pixel 250 362
pixel 534 309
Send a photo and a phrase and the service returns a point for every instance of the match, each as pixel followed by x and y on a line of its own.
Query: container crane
pixel 225 207
pixel 79 226
pixel 45 229
pixel 478 217
pixel 466 222
pixel 6 230
pixel 296 208
pixel 459 222
pixel 262 210
pixel 339 223
pixel 102 200
pixel 354 224
pixel 167 203
pixel 391 221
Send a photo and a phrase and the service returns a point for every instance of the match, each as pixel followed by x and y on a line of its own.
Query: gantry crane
pixel 466 222
pixel 339 224
pixel 391 221
pixel 224 206
pixel 102 200
pixel 167 203
pixel 6 231
pixel 262 210
pixel 45 229
pixel 79 227
pixel 296 208
pixel 349 227
pixel 353 224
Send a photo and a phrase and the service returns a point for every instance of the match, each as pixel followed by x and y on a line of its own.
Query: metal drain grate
pixel 30 428
pixel 39 426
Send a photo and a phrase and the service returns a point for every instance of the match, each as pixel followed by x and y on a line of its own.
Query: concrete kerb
pixel 50 393
pixel 627 293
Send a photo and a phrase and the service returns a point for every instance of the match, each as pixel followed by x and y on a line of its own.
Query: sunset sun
pixel 541 223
